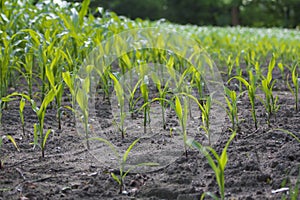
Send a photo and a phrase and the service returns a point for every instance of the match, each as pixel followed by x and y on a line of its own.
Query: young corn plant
pixel 39 133
pixel 163 91
pixel 5 62
pixel 182 114
pixel 121 101
pixel 28 67
pixel 204 106
pixel 251 89
pixel 82 93
pixel 32 46
pixel 21 112
pixel 295 89
pixel 205 112
pixel 281 69
pixel 267 84
pixel 131 97
pixel 6 67
pixel 199 83
pixel 22 103
pixel 231 99
pixel 230 65
pixel 239 72
pixel 12 140
pixel 105 82
pixel 145 95
pixel 40 137
pixel 69 81
pixel 120 176
pixel 216 162
pixel 54 76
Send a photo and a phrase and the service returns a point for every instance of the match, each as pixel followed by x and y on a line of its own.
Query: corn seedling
pixel 131 97
pixel 239 72
pixel 12 140
pixel 105 82
pixel 55 79
pixel 69 81
pixel 281 68
pixel 28 66
pixel 182 114
pixel 217 163
pixel 267 84
pixel 121 101
pixel 40 138
pixel 21 106
pixel 32 46
pixel 231 99
pixel 82 98
pixel 251 89
pixel 230 65
pixel 295 89
pixel 205 111
pixel 41 111
pixel 162 93
pixel 21 109
pixel 145 94
pixel 198 82
pixel 122 161
pixel 5 61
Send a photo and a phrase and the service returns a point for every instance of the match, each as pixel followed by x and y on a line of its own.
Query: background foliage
pixel 254 13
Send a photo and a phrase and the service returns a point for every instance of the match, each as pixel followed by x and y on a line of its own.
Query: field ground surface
pixel 260 161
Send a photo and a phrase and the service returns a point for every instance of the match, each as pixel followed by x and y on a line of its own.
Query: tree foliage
pixel 258 13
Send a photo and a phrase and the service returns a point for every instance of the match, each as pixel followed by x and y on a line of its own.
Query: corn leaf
pixel 128 150
pixel 178 107
pixel 12 140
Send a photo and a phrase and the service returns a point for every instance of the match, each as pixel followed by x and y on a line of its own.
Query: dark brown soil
pixel 259 161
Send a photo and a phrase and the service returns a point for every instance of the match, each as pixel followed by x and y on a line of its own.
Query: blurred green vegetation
pixel 253 13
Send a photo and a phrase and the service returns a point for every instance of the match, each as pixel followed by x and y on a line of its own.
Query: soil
pixel 259 161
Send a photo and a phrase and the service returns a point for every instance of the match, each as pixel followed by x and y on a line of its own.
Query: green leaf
pixel 68 80
pixel 50 75
pixel 240 79
pixel 35 135
pixel 128 150
pixel 22 104
pixel 271 67
pixel 45 138
pixel 34 35
pixel 81 98
pixel 48 98
pixel 118 88
pixel 178 108
pixel 223 158
pixel 115 178
pixel 12 140
pixel 144 91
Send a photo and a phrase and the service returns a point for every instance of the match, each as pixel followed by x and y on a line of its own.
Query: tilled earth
pixel 259 161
